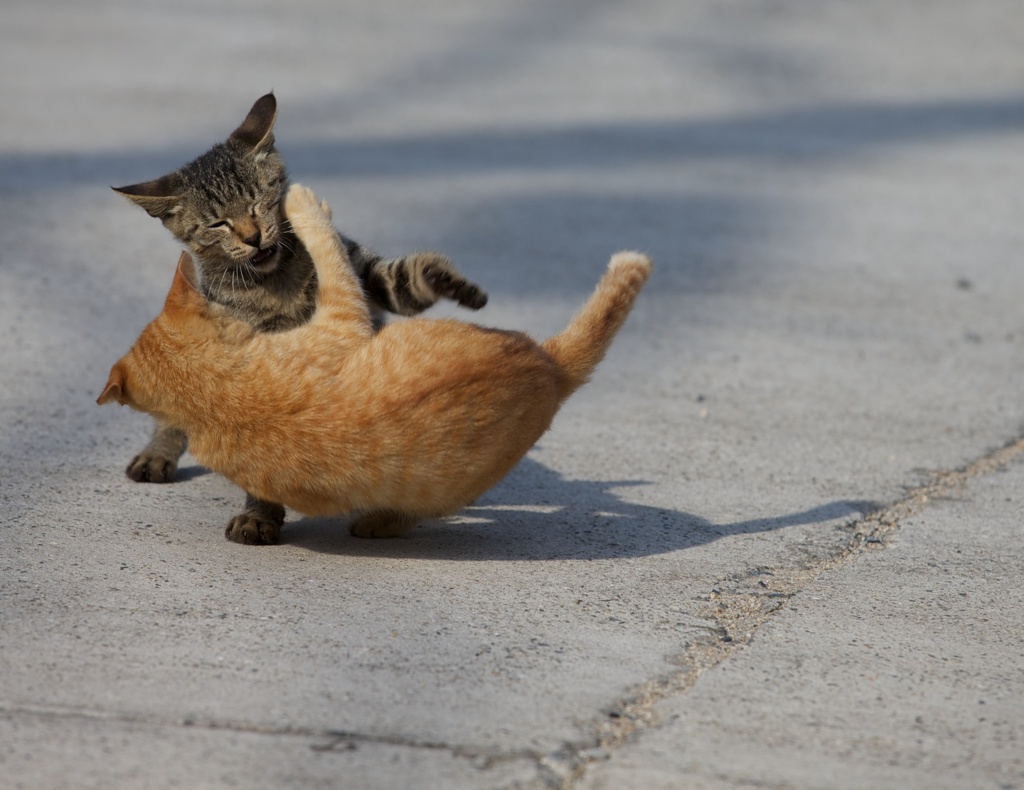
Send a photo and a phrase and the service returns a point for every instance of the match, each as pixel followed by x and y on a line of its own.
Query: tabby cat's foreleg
pixel 412 283
pixel 383 524
pixel 158 461
pixel 258 524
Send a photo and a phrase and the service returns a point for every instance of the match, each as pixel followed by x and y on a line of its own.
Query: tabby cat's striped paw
pixel 259 526
pixel 447 283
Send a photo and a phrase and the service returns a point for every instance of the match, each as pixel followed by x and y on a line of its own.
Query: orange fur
pixel 413 422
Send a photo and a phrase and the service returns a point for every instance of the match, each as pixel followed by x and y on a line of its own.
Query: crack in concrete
pixel 740 605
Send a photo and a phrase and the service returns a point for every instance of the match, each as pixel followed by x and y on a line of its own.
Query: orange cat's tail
pixel 583 343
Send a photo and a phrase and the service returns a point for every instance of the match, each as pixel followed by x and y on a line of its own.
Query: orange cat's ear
pixel 158 197
pixel 184 291
pixel 187 271
pixel 256 132
pixel 115 386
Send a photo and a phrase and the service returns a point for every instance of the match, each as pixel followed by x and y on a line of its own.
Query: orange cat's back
pixel 429 415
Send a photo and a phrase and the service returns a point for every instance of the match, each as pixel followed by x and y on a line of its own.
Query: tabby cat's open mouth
pixel 263 256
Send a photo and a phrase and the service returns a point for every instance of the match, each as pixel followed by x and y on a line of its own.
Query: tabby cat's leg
pixel 158 461
pixel 383 524
pixel 259 524
pixel 412 283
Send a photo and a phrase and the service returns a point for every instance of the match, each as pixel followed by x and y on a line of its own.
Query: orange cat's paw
pixel 301 204
pixel 258 527
pixel 383 524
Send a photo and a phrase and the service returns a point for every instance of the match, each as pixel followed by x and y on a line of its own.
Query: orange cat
pixel 413 422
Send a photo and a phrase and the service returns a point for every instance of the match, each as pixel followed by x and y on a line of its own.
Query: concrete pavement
pixel 716 570
pixel 899 667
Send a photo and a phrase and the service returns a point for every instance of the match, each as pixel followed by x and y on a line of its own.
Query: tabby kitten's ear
pixel 256 131
pixel 158 197
pixel 115 386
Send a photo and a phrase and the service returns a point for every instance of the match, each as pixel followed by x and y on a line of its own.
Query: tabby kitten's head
pixel 225 205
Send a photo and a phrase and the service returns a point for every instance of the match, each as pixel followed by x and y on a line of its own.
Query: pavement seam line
pixel 330 739
pixel 738 608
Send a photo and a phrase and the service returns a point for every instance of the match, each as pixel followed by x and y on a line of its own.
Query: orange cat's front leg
pixel 383 524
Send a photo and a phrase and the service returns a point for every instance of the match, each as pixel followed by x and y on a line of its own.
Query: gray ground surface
pixel 900 670
pixel 724 566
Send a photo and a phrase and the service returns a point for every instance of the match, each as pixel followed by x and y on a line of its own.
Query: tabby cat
pixel 225 208
pixel 409 423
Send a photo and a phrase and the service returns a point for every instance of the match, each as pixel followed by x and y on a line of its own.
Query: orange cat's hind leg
pixel 383 524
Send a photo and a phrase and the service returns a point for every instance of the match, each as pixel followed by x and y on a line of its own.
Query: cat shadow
pixel 536 514
pixel 187 473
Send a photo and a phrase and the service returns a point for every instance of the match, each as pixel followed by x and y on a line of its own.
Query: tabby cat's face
pixel 225 206
pixel 229 211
